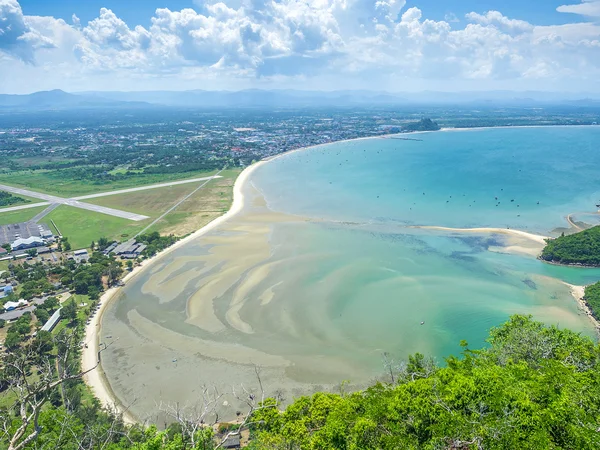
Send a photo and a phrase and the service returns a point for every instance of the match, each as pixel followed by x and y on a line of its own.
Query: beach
pixel 96 379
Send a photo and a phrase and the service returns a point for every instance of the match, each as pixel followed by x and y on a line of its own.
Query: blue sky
pixel 138 12
pixel 395 45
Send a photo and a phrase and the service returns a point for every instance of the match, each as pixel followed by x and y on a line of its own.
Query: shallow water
pixel 316 287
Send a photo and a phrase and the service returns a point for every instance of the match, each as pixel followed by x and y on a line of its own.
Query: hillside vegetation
pixel 532 387
pixel 579 248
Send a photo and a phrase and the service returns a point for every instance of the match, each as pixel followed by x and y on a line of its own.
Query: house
pixel 232 442
pixel 10 306
pixel 27 243
pixel 5 291
pixel 81 256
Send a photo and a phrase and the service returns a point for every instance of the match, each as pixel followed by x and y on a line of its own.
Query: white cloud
pixel 16 36
pixel 589 8
pixel 360 43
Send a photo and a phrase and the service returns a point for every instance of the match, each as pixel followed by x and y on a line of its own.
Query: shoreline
pixel 96 379
pixel 578 293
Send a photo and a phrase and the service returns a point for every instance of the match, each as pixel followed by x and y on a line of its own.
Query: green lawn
pixel 4 265
pixel 53 182
pixel 22 215
pixel 82 226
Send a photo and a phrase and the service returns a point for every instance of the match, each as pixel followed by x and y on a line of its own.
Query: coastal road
pixel 76 203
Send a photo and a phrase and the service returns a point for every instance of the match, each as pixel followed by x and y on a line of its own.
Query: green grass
pixel 22 215
pixel 82 226
pixel 24 201
pixel 209 202
pixel 54 182
pixel 4 265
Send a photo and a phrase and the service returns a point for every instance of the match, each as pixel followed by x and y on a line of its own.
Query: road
pixel 76 203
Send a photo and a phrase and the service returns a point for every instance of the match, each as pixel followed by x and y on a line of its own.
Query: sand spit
pixel 524 234
pixel 96 379
pixel 578 292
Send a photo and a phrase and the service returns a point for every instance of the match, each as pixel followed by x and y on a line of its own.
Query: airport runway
pixel 75 201
pixel 70 202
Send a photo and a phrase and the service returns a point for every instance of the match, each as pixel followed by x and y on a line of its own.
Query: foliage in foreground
pixel 579 248
pixel 533 387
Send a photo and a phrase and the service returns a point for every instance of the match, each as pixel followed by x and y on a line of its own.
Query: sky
pixel 391 45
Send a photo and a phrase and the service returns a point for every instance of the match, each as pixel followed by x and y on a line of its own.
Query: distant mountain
pixel 57 99
pixel 289 98
pixel 252 98
pixel 299 98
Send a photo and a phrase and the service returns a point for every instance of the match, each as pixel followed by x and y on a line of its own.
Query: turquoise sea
pixel 318 285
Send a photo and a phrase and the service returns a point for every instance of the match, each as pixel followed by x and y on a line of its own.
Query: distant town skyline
pixel 392 45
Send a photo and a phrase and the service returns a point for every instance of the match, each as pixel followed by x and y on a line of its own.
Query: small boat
pixel 422 323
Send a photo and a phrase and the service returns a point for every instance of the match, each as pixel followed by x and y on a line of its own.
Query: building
pixel 52 321
pixel 129 250
pixel 5 291
pixel 27 243
pixel 81 256
pixel 10 306
pixel 23 230
pixel 232 442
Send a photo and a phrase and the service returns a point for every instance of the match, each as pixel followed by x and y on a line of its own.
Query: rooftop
pixel 23 230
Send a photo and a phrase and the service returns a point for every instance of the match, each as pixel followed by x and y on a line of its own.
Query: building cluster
pixel 24 236
pixel 126 250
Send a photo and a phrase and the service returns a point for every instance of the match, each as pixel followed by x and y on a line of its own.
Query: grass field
pixel 213 200
pixel 54 182
pixel 82 226
pixel 22 215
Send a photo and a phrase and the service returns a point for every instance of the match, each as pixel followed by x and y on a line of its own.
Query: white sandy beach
pixel 96 379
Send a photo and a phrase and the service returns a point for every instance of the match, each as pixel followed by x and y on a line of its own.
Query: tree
pixel 51 304
pixel 92 246
pixel 129 264
pixel 102 243
pixel 42 315
pixel 69 311
pixel 66 245
pixel 2 323
pixel 12 340
pixel 44 342
pixel 31 252
pixel 32 393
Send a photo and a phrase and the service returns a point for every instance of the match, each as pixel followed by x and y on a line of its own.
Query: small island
pixel 578 249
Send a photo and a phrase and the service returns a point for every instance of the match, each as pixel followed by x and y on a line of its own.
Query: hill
pixel 581 248
pixel 58 99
